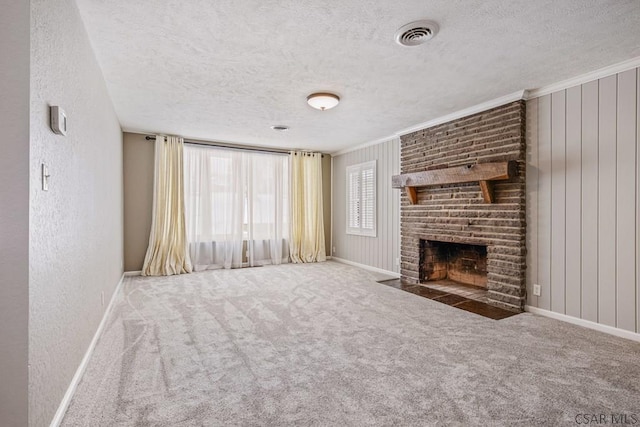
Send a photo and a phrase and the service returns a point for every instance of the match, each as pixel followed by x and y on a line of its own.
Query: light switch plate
pixel 45 178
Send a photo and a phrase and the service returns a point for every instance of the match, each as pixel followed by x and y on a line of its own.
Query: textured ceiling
pixel 227 70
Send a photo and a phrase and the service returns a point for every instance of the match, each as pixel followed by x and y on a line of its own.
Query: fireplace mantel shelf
pixel 483 173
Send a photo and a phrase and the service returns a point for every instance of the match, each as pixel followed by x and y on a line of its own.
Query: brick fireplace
pixel 453 220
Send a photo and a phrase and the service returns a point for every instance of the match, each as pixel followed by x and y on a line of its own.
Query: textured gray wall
pixel 326 201
pixel 383 250
pixel 583 201
pixel 75 251
pixel 14 212
pixel 138 198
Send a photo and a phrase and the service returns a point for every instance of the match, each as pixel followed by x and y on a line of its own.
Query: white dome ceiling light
pixel 415 33
pixel 323 100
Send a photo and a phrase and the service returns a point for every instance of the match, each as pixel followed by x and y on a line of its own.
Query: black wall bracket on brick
pixel 483 173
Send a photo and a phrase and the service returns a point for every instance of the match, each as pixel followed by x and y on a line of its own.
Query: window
pixel 234 200
pixel 361 199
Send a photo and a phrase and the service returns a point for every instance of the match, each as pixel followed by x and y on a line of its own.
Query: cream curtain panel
pixel 307 226
pixel 167 252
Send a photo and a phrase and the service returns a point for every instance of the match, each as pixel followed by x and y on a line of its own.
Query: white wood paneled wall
pixel 383 250
pixel 583 201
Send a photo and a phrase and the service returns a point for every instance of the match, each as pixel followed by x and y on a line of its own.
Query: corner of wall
pixel 382 251
pixel 14 215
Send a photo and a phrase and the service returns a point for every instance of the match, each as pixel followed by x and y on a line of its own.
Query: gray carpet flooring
pixel 323 344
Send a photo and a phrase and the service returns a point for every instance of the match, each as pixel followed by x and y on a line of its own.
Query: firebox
pixel 458 262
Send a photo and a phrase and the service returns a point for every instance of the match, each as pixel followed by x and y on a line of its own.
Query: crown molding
pixel 478 108
pixel 584 78
pixel 515 96
pixel 366 144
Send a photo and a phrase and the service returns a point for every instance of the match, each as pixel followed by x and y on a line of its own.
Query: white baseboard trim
pixel 132 273
pixel 633 336
pixel 366 267
pixel 66 400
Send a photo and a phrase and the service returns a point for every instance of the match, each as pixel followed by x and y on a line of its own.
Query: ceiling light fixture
pixel 323 100
pixel 280 128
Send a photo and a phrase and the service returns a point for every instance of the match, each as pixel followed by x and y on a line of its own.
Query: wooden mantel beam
pixel 457 174
pixel 483 173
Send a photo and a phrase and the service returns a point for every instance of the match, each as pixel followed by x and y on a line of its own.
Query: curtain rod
pixel 230 147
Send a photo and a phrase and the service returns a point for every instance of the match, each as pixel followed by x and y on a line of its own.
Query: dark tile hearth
pixel 458 301
pixel 486 310
pixel 423 291
pixel 451 299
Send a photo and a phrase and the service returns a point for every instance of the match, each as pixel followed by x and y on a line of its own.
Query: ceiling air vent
pixel 416 33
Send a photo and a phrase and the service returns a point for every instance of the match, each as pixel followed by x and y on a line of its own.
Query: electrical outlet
pixel 536 290
pixel 102 298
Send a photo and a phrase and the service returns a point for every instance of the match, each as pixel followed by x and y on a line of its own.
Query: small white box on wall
pixel 58 120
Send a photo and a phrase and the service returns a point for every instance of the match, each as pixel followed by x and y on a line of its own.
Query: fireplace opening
pixel 454 262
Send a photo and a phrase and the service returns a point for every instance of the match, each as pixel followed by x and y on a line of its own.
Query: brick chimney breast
pixel 457 213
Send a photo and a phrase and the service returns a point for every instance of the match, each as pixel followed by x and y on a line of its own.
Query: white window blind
pixel 361 199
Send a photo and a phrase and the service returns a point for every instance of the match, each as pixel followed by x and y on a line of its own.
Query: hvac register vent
pixel 416 33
